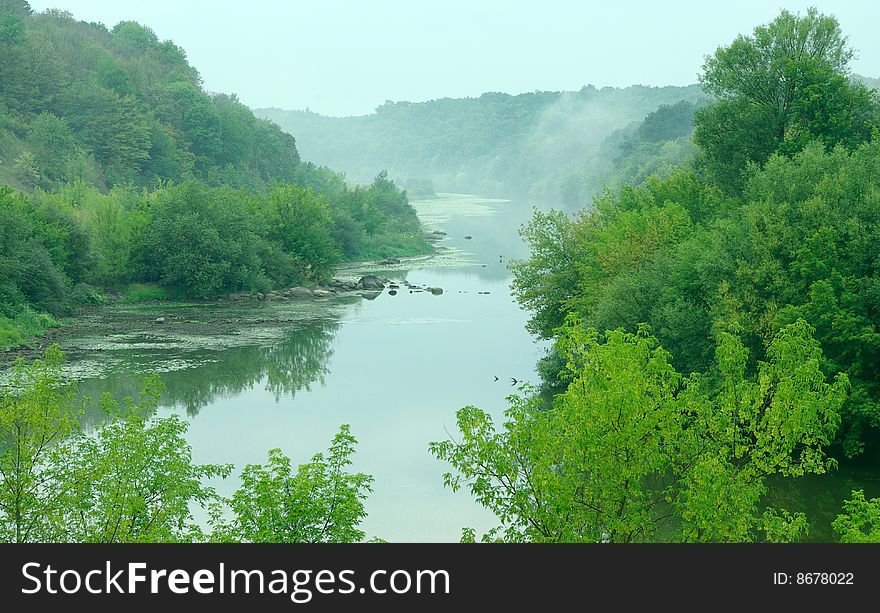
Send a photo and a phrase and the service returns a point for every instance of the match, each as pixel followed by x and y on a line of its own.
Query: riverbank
pixel 232 314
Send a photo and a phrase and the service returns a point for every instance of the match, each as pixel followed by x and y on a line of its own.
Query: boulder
pixel 301 292
pixel 436 290
pixel 392 292
pixel 468 237
pixel 161 320
pixel 322 293
pixel 370 282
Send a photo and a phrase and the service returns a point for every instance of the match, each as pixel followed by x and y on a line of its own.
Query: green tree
pixel 133 479
pixel 633 451
pixel 777 89
pixel 548 279
pixel 52 142
pixel 299 221
pixel 36 413
pixel 202 241
pixel 766 68
pixel 319 503
pixel 115 128
pixel 860 520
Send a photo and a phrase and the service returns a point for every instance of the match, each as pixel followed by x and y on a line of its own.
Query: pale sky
pixel 346 57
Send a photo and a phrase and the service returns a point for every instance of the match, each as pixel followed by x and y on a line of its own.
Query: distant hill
pixel 497 144
pixel 869 81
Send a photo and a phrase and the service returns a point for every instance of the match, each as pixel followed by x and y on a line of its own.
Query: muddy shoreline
pixel 215 317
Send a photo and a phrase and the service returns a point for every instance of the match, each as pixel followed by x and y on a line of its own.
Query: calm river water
pixel 395 368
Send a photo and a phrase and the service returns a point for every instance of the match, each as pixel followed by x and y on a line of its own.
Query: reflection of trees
pixel 290 365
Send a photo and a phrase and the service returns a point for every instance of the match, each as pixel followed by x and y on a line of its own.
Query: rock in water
pixel 371 282
pixel 161 320
pixel 370 295
pixel 392 292
pixel 436 290
pixel 322 293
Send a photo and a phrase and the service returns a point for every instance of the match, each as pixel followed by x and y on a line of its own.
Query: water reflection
pixel 286 367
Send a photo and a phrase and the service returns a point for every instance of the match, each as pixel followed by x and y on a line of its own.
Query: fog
pixel 341 57
pixel 496 144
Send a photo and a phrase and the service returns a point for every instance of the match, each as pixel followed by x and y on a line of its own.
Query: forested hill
pixel 119 106
pixel 119 172
pixel 497 144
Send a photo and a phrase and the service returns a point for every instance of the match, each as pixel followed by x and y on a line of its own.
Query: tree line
pixel 62 249
pixel 546 145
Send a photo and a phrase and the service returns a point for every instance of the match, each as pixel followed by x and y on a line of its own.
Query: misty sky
pixel 342 57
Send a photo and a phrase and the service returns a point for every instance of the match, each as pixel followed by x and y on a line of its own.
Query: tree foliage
pixel 320 502
pixel 779 89
pixel 36 413
pixel 132 479
pixel 633 451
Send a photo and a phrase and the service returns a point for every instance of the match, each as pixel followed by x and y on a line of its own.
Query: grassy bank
pixel 24 327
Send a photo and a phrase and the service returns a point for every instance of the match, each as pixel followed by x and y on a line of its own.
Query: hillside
pixel 497 144
pixel 79 101
pixel 118 171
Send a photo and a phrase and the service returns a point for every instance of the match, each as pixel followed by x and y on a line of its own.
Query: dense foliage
pixel 119 107
pixel 128 172
pixel 132 478
pixel 633 451
pixel 319 503
pixel 693 261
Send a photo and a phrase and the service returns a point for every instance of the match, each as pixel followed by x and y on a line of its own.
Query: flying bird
pixel 513 381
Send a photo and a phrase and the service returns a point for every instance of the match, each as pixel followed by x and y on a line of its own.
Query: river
pixel 395 369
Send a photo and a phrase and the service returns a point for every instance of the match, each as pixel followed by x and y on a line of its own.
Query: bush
pixel 21 329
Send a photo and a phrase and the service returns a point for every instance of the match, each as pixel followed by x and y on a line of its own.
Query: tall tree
pixel 767 85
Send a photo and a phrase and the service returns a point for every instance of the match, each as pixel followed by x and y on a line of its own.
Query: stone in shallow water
pixel 371 282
